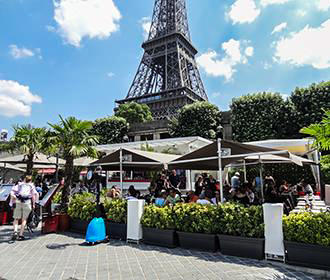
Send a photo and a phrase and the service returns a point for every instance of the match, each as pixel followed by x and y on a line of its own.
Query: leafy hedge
pixel 157 217
pixel 229 219
pixel 308 228
pixel 262 116
pixel 82 206
pixel 237 220
pixel 195 218
pixel 116 210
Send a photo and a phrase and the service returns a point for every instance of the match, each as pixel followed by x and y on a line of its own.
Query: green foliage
pixel 57 197
pixel 134 112
pixel 147 148
pixel 308 104
pixel 260 116
pixel 238 220
pixel 28 141
pixel 116 210
pixel 263 116
pixel 82 206
pixel 320 132
pixel 196 218
pixel 325 168
pixel 158 217
pixel 198 119
pixel 110 130
pixel 308 228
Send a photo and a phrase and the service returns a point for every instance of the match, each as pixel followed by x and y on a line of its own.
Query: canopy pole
pixel 121 169
pixel 244 166
pixel 220 170
pixel 4 172
pixel 261 180
pixel 56 172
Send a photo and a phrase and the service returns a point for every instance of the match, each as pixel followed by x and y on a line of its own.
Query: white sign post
pixel 274 244
pixel 135 208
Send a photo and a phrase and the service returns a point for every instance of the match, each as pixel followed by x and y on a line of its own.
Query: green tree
pixel 308 104
pixel 320 132
pixel 198 119
pixel 134 112
pixel 28 141
pixel 71 138
pixel 260 116
pixel 110 130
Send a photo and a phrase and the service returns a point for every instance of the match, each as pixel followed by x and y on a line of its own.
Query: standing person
pixel 174 180
pixel 235 181
pixel 23 198
pixel 199 185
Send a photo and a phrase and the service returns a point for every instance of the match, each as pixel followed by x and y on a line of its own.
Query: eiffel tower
pixel 168 77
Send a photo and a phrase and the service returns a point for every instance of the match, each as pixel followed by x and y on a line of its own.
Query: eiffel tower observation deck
pixel 168 77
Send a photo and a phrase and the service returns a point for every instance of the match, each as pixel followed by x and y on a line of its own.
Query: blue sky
pixel 76 57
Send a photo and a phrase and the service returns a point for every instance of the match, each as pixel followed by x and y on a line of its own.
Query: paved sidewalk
pixel 60 256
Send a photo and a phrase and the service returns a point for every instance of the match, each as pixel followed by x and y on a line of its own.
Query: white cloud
pixel 77 19
pixel 249 51
pixel 306 47
pixel 323 5
pixel 110 75
pixel 271 2
pixel 16 99
pixel 18 53
pixel 243 11
pixel 267 65
pixel 146 24
pixel 280 27
pixel 225 66
pixel 215 94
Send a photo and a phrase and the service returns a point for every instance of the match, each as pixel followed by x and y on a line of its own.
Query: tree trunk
pixel 29 165
pixel 68 170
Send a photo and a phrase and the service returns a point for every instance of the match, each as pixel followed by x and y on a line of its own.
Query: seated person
pixel 132 194
pixel 241 195
pixel 284 187
pixel 216 200
pixel 207 198
pixel 160 201
pixel 173 198
pixel 192 197
pixel 307 188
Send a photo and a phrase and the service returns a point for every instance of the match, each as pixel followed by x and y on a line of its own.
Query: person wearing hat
pixel 235 181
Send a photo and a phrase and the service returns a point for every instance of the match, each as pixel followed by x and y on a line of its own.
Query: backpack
pixel 24 192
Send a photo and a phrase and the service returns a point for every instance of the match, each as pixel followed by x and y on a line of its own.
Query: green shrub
pixel 158 217
pixel 195 218
pixel 311 228
pixel 82 206
pixel 57 198
pixel 237 220
pixel 116 210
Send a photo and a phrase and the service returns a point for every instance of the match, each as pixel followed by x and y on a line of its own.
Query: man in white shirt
pixel 23 198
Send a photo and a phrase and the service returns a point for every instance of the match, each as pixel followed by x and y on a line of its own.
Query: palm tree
pixel 71 138
pixel 28 141
pixel 320 132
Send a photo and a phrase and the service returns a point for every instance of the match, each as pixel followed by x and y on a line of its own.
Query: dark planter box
pixel 116 231
pixel 245 247
pixel 79 226
pixel 314 256
pixel 160 237
pixel 199 241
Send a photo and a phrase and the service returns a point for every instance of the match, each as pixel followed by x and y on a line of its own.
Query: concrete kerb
pixel 324 274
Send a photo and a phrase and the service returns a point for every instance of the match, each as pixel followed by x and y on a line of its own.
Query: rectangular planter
pixel 49 224
pixel 159 237
pixel 116 231
pixel 79 226
pixel 314 256
pixel 199 241
pixel 245 247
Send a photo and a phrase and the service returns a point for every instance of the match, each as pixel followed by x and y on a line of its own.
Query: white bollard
pixel 274 244
pixel 135 208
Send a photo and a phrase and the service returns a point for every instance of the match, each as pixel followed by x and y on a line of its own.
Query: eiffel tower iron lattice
pixel 168 76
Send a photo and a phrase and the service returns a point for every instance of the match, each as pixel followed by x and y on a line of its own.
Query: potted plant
pixel 307 239
pixel 82 208
pixel 116 210
pixel 196 226
pixel 241 230
pixel 158 226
